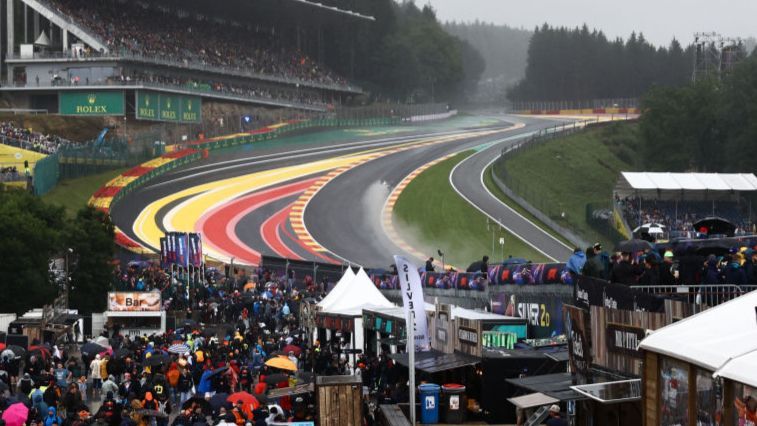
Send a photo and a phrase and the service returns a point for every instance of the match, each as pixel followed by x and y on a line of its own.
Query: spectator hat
pixel 669 254
pixel 554 408
pixel 597 246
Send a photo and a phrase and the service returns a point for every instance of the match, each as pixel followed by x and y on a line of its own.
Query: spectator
pixel 668 270
pixel 624 272
pixel 577 261
pixel 651 274
pixel 430 264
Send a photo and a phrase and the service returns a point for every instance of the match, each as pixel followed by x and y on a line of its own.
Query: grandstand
pixel 268 53
pixel 678 200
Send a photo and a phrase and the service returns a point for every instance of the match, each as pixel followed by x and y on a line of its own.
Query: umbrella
pixel 122 353
pixel 715 225
pixel 155 360
pixel 102 341
pixel 218 371
pixel 16 415
pixel 92 348
pixel 189 323
pixel 292 348
pixel 276 378
pixel 282 363
pixel 179 348
pixel 3 386
pixel 632 246
pixel 475 266
pixel 200 402
pixel 219 400
pixel 152 413
pixel 246 398
pixel 511 261
pixel 261 398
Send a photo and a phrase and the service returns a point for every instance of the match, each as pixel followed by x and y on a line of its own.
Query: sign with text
pixel 134 301
pixel 412 300
pixel 168 107
pixel 94 103
pixel 624 339
pixel 579 343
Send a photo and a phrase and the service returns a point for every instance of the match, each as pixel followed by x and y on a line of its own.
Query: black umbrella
pixel 17 350
pixel 92 348
pixel 155 360
pixel 475 266
pixel 276 378
pixel 200 402
pixel 218 371
pixel 262 399
pixel 219 400
pixel 715 226
pixel 632 246
pixel 122 353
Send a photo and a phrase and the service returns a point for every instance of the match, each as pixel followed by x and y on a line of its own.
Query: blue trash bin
pixel 429 403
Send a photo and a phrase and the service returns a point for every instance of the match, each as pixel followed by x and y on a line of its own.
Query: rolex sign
pixel 91 103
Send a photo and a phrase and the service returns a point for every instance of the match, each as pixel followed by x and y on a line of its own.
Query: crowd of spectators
pixel 212 369
pixel 12 134
pixel 156 32
pixel 679 217
pixel 666 268
pixel 305 97
pixel 10 174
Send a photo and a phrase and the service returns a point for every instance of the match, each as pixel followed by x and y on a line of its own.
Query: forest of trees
pixel 504 49
pixel 580 64
pixel 707 126
pixel 405 55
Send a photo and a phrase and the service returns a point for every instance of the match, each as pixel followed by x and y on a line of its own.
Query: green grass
pixel 494 189
pixel 566 174
pixel 430 215
pixel 73 194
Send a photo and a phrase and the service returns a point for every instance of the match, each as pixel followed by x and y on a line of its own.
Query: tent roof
pixel 711 338
pixel 340 287
pixel 631 182
pixel 358 293
pixel 470 314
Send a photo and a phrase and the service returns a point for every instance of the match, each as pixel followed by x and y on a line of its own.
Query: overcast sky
pixel 659 20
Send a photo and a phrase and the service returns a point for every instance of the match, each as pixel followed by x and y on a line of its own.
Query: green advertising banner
pixel 91 103
pixel 191 109
pixel 148 105
pixel 168 107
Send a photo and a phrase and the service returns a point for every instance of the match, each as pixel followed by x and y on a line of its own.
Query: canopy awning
pixel 556 385
pixel 536 399
pixel 612 392
pixel 435 361
pixel 655 184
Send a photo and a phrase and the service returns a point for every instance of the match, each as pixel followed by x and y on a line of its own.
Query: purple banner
pixel 530 273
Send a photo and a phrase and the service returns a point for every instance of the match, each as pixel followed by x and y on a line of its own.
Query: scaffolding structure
pixel 716 55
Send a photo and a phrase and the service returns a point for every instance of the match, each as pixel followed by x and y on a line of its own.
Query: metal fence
pixel 575 104
pixel 700 294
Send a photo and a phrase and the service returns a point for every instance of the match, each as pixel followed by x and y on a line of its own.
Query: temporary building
pixel 350 297
pixel 675 185
pixel 340 287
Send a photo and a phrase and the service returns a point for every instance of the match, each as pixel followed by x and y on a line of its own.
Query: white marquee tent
pixel 351 296
pixel 673 185
pixel 722 339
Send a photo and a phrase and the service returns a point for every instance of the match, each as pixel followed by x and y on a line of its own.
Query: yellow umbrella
pixel 281 362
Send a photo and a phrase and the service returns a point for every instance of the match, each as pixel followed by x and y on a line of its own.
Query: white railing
pixel 700 294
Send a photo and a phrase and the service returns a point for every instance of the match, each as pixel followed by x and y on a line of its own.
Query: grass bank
pixel 73 194
pixel 565 176
pixel 430 215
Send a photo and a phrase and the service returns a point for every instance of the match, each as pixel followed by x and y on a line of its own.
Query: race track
pixel 320 196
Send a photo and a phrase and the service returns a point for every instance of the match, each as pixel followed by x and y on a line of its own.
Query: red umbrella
pixel 2 347
pixel 249 402
pixel 292 348
pixel 43 351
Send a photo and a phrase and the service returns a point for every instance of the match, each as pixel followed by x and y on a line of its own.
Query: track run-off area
pixel 325 196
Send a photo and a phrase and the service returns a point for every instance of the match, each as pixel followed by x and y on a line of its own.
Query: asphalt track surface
pixel 344 216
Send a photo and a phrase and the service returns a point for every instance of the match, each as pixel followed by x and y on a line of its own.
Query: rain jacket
pixel 52 418
pixel 576 262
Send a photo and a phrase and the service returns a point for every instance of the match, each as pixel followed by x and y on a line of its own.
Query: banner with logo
pixel 94 103
pixel 156 106
pixel 579 340
pixel 594 292
pixel 530 273
pixel 134 301
pixel 164 253
pixel 195 249
pixel 412 301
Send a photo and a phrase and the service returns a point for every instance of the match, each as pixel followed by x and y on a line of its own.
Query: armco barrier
pixel 113 191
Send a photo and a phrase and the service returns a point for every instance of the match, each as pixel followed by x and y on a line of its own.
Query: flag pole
pixel 410 335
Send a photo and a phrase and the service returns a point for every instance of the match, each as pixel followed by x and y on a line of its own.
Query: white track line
pixel 497 221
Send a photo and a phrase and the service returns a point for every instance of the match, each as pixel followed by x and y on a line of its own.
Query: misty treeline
pixel 707 126
pixel 505 49
pixel 581 64
pixel 404 55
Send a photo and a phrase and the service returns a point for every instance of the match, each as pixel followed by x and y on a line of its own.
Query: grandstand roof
pixel 638 183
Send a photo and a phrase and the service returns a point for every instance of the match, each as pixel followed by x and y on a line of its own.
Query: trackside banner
pixel 412 300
